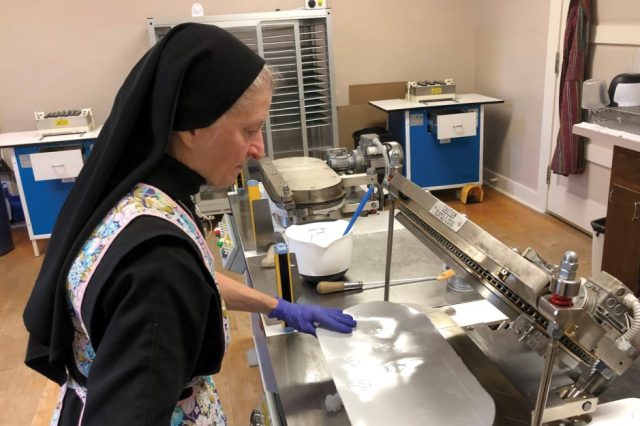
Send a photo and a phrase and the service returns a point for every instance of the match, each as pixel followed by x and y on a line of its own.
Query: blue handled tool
pixel 358 210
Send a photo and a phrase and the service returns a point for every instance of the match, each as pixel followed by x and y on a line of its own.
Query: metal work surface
pixel 626 119
pixel 411 259
pixel 302 377
pixel 397 368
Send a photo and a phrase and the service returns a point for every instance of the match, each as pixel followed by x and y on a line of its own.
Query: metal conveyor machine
pixel 588 326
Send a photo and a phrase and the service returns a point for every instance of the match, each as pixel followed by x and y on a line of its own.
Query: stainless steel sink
pixel 626 119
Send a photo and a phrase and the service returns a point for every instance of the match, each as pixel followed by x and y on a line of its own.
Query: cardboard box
pixel 359 114
pixel 363 93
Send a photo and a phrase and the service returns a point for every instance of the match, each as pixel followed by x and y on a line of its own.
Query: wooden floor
pixel 28 399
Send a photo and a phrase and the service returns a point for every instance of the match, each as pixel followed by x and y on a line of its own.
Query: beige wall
pixel 70 54
pixel 381 41
pixel 510 46
pixel 620 11
pixel 609 60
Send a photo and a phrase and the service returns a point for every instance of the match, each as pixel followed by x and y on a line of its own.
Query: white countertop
pixel 605 136
pixel 9 140
pixel 602 140
pixel 461 99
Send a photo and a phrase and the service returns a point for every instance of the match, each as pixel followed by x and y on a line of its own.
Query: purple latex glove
pixel 305 317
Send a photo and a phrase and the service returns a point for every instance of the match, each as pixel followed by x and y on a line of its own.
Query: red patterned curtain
pixel 569 155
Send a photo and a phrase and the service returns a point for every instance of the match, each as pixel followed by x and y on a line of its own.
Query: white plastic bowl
pixel 322 252
pixel 627 94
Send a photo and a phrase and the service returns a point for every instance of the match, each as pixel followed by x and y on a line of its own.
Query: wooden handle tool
pixel 326 287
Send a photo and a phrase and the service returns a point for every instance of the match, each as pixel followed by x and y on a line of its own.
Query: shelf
pixel 288 93
pixel 282 129
pixel 319 125
pixel 287 101
pixel 295 113
pixel 286 123
pixel 293 107
pixel 324 99
pixel 315 102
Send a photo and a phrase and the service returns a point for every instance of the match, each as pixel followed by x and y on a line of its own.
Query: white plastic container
pixel 322 252
pixel 627 95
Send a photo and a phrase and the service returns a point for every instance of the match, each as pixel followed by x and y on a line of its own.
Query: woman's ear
pixel 181 144
pixel 185 137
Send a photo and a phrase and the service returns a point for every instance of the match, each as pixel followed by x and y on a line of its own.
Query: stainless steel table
pixel 293 369
pixel 292 365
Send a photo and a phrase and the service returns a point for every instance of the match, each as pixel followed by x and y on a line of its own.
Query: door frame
pixel 550 123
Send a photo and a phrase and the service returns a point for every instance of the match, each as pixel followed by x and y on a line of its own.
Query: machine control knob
pixel 569 265
pixel 217 232
pixel 565 283
pixel 224 252
pixel 220 243
pixel 311 4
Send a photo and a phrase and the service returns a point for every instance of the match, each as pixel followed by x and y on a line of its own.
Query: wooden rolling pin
pixel 325 287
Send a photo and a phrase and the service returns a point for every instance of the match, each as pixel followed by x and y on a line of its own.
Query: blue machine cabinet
pixel 442 140
pixel 45 170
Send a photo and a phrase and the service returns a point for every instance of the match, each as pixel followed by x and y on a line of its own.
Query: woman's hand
pixel 306 318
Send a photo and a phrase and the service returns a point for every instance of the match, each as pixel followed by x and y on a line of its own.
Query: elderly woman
pixel 127 313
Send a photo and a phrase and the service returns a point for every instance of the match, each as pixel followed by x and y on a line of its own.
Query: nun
pixel 127 313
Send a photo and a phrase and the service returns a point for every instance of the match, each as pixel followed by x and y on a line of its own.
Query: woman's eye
pixel 253 130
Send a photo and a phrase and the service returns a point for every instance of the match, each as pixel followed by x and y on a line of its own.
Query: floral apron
pixel 203 406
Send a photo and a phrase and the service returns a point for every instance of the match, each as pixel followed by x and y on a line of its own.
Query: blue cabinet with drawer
pixel 45 171
pixel 442 140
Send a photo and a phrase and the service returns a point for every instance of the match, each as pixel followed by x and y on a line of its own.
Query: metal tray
pixel 396 368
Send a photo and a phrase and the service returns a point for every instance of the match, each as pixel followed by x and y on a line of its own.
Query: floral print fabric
pixel 203 406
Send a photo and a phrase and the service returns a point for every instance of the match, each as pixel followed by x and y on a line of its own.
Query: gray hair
pixel 266 80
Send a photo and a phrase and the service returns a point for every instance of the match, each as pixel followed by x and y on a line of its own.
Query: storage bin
pixel 6 239
pixel 13 202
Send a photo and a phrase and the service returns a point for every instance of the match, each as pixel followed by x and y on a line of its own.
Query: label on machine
pixel 448 216
pixel 416 119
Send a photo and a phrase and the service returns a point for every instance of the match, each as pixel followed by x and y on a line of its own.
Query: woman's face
pixel 220 150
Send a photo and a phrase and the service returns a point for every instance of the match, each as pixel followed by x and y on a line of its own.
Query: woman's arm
pixel 300 316
pixel 239 297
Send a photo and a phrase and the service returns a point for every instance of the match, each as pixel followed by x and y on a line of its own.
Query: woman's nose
pixel 256 147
